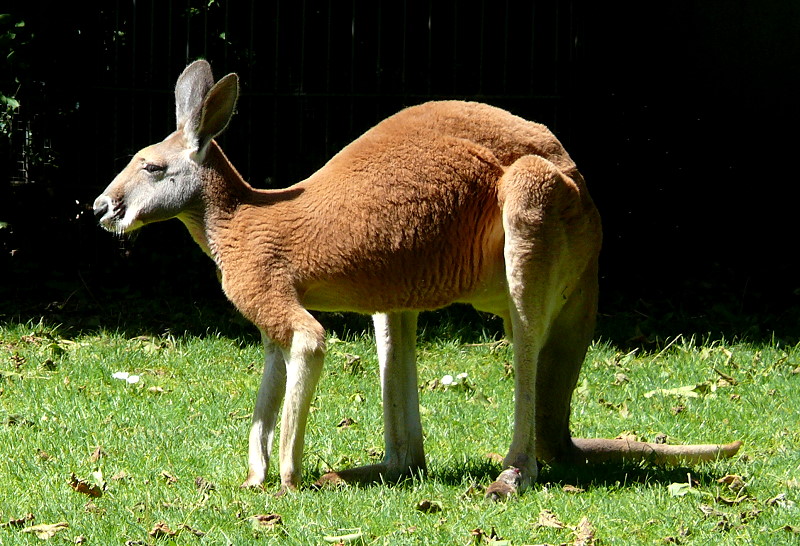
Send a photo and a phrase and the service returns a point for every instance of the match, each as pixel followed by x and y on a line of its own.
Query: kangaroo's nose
pixel 101 206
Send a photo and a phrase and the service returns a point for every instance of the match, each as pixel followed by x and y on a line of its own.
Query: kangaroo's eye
pixel 154 168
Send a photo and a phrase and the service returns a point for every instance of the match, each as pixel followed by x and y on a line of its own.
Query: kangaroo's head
pixel 165 180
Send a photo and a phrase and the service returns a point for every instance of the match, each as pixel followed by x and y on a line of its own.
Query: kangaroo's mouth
pixel 110 215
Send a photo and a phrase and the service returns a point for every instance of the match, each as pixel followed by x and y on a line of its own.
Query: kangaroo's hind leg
pixel 560 362
pixel 545 220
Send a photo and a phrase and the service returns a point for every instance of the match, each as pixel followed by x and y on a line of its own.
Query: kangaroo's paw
pixel 254 480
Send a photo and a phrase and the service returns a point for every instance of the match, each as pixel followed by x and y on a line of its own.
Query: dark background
pixel 681 116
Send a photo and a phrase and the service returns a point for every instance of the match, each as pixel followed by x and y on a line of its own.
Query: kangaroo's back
pixel 506 136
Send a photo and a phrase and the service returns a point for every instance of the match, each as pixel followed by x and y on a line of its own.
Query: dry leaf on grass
pixel 678 489
pixel 195 532
pixel 548 519
pixel 203 485
pixel 18 522
pixel 628 436
pixel 121 475
pixel 750 515
pixel 82 486
pixel 162 530
pixel 269 521
pixel 682 489
pixel 710 511
pixel 46 531
pixel 92 508
pixel 43 455
pixel 494 457
pixel 481 534
pixel 97 454
pixel 622 408
pixel 353 364
pixel 620 379
pixel 781 502
pixel 169 477
pixel 346 422
pixel 572 489
pixel 428 506
pixel 584 533
pixel 734 483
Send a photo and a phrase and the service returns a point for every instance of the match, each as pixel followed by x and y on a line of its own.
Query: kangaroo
pixel 443 202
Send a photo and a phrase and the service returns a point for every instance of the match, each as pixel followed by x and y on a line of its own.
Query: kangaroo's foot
pixel 374 473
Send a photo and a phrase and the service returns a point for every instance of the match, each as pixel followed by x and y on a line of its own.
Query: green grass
pixel 188 416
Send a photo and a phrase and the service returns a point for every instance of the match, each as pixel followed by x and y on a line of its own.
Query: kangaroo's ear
pixel 216 112
pixel 190 90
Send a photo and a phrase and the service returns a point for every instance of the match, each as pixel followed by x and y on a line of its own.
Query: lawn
pixel 90 455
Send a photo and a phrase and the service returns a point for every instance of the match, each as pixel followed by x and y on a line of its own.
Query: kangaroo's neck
pixel 223 191
pixel 228 208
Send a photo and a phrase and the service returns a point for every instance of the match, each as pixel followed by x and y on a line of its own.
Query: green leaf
pixel 10 102
pixel 678 489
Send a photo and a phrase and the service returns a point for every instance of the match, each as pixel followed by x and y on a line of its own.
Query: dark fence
pixel 680 116
pixel 314 74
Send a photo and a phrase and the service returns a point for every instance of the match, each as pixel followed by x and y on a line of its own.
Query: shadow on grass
pixel 73 310
pixel 484 471
pixel 479 472
pixel 621 475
